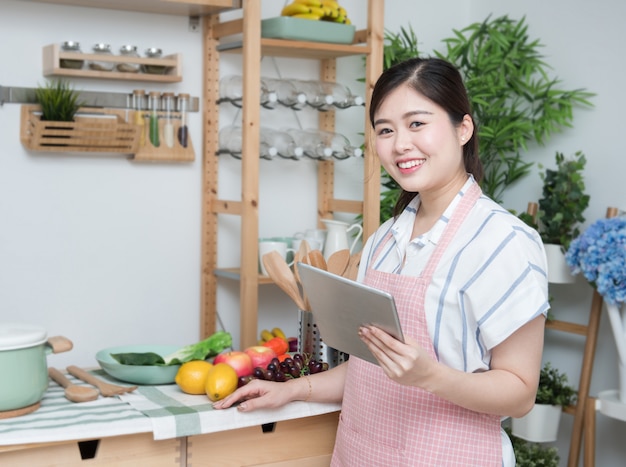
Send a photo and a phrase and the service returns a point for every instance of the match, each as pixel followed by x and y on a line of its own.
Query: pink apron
pixel 386 424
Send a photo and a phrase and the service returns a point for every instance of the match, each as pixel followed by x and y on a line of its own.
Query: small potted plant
pixel 58 101
pixel 561 211
pixel 541 424
pixel 529 454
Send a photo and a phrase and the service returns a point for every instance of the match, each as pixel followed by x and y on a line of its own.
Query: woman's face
pixel 417 143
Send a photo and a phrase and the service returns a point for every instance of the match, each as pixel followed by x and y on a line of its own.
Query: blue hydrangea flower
pixel 599 253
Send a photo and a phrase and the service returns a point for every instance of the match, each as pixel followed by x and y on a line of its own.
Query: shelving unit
pixel 252 47
pixel 53 55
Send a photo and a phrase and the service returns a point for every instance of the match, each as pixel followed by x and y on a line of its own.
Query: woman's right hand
pixel 259 394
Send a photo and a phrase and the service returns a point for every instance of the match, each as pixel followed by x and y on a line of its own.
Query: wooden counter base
pixel 308 440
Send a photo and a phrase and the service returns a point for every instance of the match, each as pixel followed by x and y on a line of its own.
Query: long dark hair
pixel 440 82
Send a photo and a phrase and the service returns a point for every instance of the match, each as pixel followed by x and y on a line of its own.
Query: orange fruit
pixel 221 381
pixel 191 376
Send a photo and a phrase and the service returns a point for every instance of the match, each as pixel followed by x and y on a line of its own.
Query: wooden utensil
pixel 352 269
pixel 338 261
pixel 73 392
pixel 316 259
pixel 282 275
pixel 298 258
pixel 106 389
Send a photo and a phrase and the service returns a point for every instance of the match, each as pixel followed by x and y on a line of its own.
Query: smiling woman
pixel 469 282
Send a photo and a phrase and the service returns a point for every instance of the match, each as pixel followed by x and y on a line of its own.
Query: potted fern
pixel 561 212
pixel 541 424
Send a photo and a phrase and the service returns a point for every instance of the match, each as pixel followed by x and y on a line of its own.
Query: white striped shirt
pixel 490 281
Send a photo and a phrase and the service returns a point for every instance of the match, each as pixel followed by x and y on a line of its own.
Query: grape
pixel 324 366
pixel 272 367
pixel 294 371
pixel 315 367
pixel 243 380
pixel 259 373
pixel 270 375
pixel 299 359
pixel 280 377
pixel 275 362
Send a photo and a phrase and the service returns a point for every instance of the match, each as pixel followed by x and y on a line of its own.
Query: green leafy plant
pixel 563 200
pixel 58 101
pixel 514 99
pixel 528 454
pixel 554 388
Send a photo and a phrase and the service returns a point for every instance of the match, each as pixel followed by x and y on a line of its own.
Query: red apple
pixel 238 360
pixel 260 355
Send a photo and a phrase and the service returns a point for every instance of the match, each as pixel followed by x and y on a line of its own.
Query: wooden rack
pixel 368 43
pixel 52 56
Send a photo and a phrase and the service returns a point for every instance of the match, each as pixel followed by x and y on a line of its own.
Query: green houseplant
pixel 561 212
pixel 514 100
pixel 58 101
pixel 541 424
pixel 563 202
pixel 533 454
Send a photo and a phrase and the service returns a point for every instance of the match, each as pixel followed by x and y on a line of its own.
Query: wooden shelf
pixel 301 49
pixel 235 274
pixel 52 56
pixel 166 7
pixel 243 36
pixel 291 48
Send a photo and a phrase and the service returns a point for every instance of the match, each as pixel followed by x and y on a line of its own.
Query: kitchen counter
pixel 159 425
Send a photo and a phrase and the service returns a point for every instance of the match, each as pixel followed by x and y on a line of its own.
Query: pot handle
pixel 60 344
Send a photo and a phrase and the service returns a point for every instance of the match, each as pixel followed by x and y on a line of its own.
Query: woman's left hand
pixel 407 363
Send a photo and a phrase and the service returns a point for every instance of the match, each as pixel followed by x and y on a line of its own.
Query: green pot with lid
pixel 23 363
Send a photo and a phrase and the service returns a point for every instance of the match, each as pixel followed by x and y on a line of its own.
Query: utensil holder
pixel 310 342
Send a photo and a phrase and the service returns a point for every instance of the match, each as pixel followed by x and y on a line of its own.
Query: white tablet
pixel 340 306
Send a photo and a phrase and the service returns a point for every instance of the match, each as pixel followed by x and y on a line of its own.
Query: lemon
pixel 191 376
pixel 221 381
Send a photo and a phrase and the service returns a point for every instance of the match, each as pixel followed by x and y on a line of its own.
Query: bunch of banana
pixel 268 335
pixel 324 10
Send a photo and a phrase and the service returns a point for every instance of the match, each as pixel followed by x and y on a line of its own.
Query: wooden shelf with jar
pixel 170 65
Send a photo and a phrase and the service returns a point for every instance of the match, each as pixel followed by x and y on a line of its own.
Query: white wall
pixel 107 252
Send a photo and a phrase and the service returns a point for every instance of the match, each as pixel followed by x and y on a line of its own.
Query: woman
pixel 469 280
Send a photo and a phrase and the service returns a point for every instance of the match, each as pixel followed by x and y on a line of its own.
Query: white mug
pixel 267 246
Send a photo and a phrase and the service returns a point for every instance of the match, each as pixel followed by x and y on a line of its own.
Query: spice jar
pixel 153 52
pixel 101 49
pixel 128 51
pixel 73 47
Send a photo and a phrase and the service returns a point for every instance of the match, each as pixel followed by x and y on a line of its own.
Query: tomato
pixel 278 345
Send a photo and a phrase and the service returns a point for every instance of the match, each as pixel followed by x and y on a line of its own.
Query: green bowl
pixel 136 374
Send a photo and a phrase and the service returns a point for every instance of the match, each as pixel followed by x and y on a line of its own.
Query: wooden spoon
pixel 73 392
pixel 316 259
pixel 301 259
pixel 352 269
pixel 280 273
pixel 338 261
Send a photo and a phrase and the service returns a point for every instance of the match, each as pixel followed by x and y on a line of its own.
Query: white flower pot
pixel 558 270
pixel 540 425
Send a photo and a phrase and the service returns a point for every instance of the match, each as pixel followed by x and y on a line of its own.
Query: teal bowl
pixel 135 374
